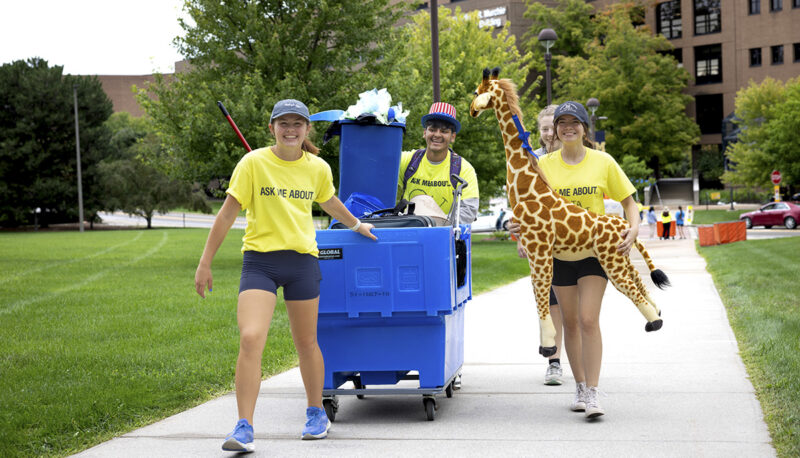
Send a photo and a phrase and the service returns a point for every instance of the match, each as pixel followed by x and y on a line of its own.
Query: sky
pixel 93 37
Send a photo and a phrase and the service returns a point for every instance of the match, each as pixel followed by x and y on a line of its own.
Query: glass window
pixel 777 55
pixel 709 113
pixel 797 51
pixel 706 17
pixel 668 19
pixel 795 3
pixel 775 5
pixel 755 57
pixel 708 64
pixel 754 6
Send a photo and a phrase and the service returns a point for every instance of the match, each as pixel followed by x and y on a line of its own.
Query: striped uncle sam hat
pixel 442 112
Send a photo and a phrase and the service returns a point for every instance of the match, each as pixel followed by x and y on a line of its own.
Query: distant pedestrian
pixel 279 250
pixel 666 221
pixel 679 218
pixel 651 221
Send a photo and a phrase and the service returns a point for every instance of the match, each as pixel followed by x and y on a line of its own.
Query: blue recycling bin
pixel 393 306
pixel 369 160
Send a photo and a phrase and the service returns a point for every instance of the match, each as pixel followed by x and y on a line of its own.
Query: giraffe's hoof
pixel 653 325
pixel 547 351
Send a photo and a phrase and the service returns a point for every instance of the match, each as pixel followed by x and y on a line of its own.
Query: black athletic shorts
pixel 567 273
pixel 297 273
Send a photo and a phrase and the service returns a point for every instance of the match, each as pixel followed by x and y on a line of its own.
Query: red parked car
pixel 773 214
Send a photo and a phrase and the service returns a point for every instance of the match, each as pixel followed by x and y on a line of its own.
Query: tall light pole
pixel 548 37
pixel 592 103
pixel 78 155
pixel 435 49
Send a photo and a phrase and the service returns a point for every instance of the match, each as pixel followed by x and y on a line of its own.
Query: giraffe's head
pixel 484 94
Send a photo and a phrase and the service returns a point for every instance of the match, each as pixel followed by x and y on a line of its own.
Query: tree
pixel 250 54
pixel 636 170
pixel 640 91
pixel 465 50
pixel 138 188
pixel 769 135
pixel 572 22
pixel 37 145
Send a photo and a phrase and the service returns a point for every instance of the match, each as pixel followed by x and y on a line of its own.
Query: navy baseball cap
pixel 289 106
pixel 572 108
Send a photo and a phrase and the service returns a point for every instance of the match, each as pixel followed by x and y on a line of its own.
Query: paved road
pixel 681 391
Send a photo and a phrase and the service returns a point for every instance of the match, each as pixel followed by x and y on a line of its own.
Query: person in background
pixel 666 221
pixel 277 185
pixel 680 216
pixel 427 171
pixel 652 221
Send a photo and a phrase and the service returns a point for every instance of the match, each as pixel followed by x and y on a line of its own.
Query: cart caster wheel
pixel 357 385
pixel 449 390
pixel 457 383
pixel 430 408
pixel 331 406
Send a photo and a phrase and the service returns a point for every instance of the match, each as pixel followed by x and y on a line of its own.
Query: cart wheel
pixel 449 390
pixel 457 383
pixel 331 406
pixel 357 384
pixel 430 407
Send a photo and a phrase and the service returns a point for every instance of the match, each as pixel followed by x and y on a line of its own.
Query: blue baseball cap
pixel 289 106
pixel 572 108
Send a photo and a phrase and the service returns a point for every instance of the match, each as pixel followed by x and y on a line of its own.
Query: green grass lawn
pixel 716 215
pixel 102 332
pixel 758 282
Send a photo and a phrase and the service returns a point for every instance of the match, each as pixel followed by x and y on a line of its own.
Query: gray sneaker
pixel 593 409
pixel 579 403
pixel 553 374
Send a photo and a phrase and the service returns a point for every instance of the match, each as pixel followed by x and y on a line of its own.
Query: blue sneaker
pixel 241 439
pixel 317 425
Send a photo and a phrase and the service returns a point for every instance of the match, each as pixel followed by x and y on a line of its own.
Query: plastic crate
pixel 408 271
pixel 369 160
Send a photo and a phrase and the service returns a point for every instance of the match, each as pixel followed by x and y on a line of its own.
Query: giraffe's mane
pixel 510 89
pixel 512 98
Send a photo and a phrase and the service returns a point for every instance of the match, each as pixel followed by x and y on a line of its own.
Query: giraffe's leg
pixel 637 280
pixel 541 264
pixel 618 274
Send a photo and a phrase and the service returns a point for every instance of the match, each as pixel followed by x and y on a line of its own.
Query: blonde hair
pixel 549 110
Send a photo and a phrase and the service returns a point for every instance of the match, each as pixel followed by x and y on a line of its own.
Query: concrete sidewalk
pixel 681 391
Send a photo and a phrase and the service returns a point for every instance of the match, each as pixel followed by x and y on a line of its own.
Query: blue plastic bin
pixel 392 306
pixel 369 160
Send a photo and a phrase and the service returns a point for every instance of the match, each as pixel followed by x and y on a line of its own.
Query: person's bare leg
pixel 568 303
pixel 254 316
pixel 303 321
pixel 558 322
pixel 591 290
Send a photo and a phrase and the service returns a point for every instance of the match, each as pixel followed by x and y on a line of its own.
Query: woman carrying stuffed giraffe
pixel 558 201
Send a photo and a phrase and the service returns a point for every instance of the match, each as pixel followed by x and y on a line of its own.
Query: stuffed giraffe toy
pixel 551 226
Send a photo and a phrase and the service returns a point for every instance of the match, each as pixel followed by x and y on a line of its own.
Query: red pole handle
pixel 233 124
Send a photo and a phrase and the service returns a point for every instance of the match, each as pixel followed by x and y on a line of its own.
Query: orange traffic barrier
pixel 660 229
pixel 707 235
pixel 735 231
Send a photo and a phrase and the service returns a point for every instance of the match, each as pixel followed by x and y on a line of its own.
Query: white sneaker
pixel 579 403
pixel 593 409
pixel 553 374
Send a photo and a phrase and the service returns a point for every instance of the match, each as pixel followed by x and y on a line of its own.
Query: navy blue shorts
pixel 297 273
pixel 567 273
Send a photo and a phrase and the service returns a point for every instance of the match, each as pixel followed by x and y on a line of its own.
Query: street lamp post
pixel 548 38
pixel 592 103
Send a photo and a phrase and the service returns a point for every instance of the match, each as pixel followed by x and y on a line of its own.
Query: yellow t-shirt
pixel 585 183
pixel 666 218
pixel 277 195
pixel 434 180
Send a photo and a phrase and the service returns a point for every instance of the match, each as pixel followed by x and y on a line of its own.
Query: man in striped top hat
pixel 427 171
